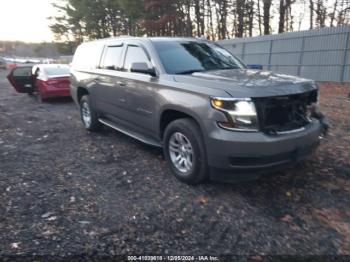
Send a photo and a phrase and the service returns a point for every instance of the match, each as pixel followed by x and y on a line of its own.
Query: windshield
pixel 54 71
pixel 190 56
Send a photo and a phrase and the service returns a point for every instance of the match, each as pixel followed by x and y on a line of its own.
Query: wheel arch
pixel 171 114
pixel 81 91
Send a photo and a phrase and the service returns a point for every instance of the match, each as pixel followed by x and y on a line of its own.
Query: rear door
pixel 109 95
pixel 22 79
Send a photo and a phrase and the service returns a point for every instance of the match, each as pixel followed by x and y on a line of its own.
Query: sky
pixel 26 20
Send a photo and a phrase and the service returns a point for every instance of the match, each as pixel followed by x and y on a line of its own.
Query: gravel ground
pixel 65 191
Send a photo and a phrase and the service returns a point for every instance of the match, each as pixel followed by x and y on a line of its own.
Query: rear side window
pixel 56 70
pixel 135 54
pixel 112 57
pixel 87 56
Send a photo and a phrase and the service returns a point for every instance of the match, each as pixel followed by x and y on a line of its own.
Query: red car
pixel 47 80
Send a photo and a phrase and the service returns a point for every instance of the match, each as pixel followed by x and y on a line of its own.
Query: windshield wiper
pixel 188 72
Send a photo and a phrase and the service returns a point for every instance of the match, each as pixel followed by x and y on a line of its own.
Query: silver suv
pixel 213 117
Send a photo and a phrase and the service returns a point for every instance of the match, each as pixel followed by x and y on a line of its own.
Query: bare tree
pixel 210 22
pixel 344 13
pixel 267 16
pixel 311 6
pixel 259 17
pixel 79 20
pixel 199 13
pixel 240 17
pixel 321 13
pixel 222 12
pixel 332 15
pixel 250 15
pixel 285 5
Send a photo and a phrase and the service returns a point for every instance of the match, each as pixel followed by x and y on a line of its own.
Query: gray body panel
pixel 249 83
pixel 136 102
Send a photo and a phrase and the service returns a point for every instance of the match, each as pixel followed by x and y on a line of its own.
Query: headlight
pixel 240 113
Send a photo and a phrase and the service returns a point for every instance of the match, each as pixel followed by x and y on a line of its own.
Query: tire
pixel 89 115
pixel 40 98
pixel 177 152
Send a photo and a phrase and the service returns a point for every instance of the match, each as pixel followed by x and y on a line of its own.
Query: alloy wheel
pixel 181 152
pixel 86 114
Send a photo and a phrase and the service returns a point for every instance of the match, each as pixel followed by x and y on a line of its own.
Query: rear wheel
pixel 88 115
pixel 40 97
pixel 184 150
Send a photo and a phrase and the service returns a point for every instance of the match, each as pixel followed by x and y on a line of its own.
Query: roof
pixel 146 39
pixel 52 65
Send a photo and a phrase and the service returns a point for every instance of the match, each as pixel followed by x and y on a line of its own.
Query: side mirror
pixel 143 68
pixel 255 66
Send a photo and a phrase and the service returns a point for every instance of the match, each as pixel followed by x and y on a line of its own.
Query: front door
pixel 22 79
pixel 140 91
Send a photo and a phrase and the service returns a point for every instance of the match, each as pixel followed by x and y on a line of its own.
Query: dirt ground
pixel 65 191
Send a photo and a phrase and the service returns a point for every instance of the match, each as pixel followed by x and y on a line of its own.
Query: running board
pixel 132 134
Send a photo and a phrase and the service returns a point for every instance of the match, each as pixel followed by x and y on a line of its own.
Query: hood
pixel 249 83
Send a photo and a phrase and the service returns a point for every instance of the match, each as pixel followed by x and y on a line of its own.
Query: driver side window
pixel 135 54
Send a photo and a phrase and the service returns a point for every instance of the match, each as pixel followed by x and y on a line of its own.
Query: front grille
pixel 284 113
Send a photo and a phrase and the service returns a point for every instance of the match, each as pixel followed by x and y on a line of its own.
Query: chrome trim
pixel 290 131
pixel 238 129
pixel 231 98
pixel 149 142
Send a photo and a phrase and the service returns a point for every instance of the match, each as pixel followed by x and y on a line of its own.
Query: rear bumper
pixel 54 92
pixel 234 156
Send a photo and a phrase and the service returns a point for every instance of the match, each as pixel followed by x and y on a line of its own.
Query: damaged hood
pixel 249 83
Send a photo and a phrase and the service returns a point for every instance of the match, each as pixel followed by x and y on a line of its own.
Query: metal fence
pixel 320 54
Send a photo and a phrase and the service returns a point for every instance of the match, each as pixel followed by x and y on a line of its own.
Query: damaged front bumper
pixel 237 156
pixel 323 120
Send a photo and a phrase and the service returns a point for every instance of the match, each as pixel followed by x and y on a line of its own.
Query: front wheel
pixel 184 150
pixel 88 115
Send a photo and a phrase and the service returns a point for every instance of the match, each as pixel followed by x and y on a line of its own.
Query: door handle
pixel 121 83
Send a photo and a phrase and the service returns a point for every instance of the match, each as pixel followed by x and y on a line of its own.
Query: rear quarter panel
pixel 82 79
